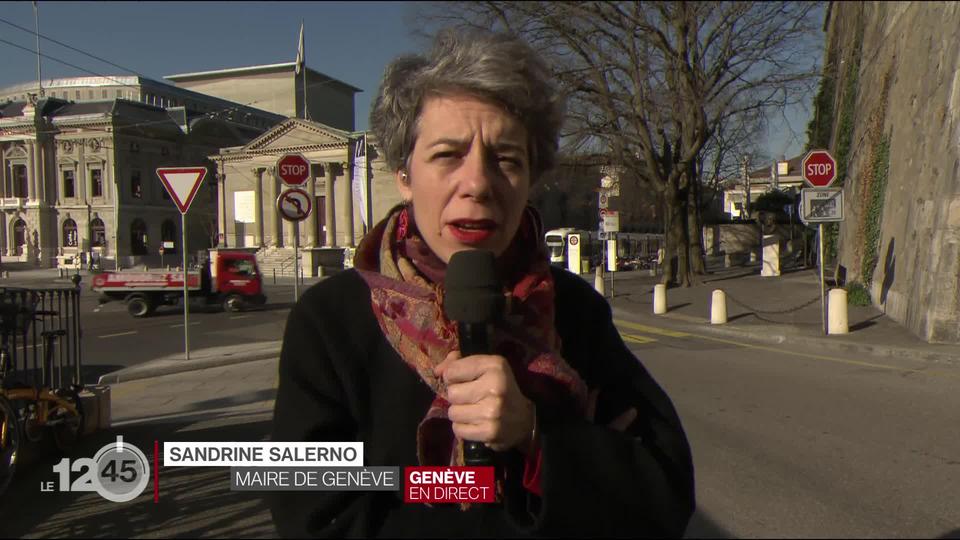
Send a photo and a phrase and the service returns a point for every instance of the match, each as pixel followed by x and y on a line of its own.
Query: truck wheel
pixel 233 303
pixel 138 306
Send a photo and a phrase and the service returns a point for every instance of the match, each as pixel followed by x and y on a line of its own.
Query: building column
pixel 80 174
pixel 275 222
pixel 4 173
pixel 31 170
pixel 313 220
pixel 330 214
pixel 258 204
pixel 348 206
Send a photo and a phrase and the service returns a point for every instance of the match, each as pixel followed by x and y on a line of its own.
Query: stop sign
pixel 819 168
pixel 293 169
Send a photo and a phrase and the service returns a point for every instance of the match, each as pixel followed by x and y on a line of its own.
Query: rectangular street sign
pixel 821 205
pixel 611 221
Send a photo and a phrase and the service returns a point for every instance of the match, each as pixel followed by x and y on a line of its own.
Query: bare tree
pixel 651 83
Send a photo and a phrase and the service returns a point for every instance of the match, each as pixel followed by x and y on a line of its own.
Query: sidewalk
pixel 778 310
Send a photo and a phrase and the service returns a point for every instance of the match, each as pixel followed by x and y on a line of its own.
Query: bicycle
pixel 42 406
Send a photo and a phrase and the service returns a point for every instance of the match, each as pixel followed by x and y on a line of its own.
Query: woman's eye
pixel 510 160
pixel 445 155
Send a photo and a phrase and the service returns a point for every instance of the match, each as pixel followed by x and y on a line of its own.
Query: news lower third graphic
pixel 330 466
pixel 118 472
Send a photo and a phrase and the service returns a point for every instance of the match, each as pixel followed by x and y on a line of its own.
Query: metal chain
pixel 775 312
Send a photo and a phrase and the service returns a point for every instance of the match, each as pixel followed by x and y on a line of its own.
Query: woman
pixel 587 441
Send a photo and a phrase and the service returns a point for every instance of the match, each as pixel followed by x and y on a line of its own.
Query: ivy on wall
pixel 845 124
pixel 878 188
pixel 821 125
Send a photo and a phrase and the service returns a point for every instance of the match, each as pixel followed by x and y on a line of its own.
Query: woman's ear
pixel 403 186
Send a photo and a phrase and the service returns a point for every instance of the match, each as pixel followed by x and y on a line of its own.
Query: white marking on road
pixel 181 326
pixel 241 317
pixel 117 335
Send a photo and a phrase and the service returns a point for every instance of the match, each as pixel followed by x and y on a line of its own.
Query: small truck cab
pixel 230 278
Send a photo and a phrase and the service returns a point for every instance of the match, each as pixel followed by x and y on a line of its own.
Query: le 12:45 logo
pixel 119 472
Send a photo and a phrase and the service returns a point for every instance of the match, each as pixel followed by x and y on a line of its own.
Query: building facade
pixel 278 88
pixel 783 175
pixel 78 180
pixel 349 193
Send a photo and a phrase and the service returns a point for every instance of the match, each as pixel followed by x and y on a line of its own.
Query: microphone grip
pixel 474 340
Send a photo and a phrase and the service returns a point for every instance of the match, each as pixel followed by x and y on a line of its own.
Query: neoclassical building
pixel 79 178
pixel 348 194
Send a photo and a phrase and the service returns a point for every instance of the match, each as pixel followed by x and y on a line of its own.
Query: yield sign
pixel 182 184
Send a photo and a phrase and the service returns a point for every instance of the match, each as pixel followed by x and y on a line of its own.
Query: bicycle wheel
pixel 66 425
pixel 9 443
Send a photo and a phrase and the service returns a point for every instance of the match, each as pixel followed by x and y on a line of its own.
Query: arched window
pixel 138 237
pixel 168 233
pixel 98 233
pixel 69 233
pixel 19 236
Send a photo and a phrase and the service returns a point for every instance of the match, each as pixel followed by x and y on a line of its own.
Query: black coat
pixel 340 380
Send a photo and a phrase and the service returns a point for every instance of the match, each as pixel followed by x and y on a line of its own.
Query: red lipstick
pixel 472 231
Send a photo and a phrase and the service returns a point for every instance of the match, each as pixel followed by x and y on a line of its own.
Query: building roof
pixel 793 168
pixel 12 108
pixel 251 70
pixel 85 107
pixel 133 81
pixel 70 82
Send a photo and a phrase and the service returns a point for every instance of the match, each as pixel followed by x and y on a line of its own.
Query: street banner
pixel 360 184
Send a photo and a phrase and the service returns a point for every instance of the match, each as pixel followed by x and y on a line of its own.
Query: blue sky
pixel 350 41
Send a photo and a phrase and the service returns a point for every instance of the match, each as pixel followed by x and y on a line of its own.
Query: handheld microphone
pixel 474 298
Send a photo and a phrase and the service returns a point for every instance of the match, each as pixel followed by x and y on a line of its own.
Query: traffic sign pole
pixel 186 298
pixel 182 184
pixel 823 294
pixel 296 261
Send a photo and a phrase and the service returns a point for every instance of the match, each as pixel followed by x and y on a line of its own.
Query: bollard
pixel 59 272
pixel 598 281
pixel 727 262
pixel 659 299
pixel 718 308
pixel 837 312
pixel 753 255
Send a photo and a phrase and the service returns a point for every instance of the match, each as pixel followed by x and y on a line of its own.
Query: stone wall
pixel 908 92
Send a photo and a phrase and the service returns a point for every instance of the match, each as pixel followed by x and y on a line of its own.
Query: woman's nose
pixel 477 176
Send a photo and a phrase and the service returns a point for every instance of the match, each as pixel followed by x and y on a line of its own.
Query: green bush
pixel 857 294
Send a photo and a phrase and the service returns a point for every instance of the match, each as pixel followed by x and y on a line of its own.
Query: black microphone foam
pixel 474 298
pixel 473 292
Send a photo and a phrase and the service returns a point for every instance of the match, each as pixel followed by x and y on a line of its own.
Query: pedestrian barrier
pixel 40 370
pixel 837 312
pixel 659 299
pixel 718 308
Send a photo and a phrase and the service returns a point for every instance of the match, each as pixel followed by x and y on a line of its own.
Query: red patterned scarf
pixel 406 290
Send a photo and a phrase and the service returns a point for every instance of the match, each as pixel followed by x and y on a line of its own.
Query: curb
pixel 774 338
pixel 171 365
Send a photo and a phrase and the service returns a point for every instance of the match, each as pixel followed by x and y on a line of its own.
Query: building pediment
pixel 15 152
pixel 295 134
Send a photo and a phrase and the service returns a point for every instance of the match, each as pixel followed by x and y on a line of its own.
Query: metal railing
pixel 29 315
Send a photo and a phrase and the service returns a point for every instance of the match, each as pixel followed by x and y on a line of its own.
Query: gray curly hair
pixel 490 65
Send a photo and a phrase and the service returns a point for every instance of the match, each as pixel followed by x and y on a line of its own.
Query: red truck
pixel 230 279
